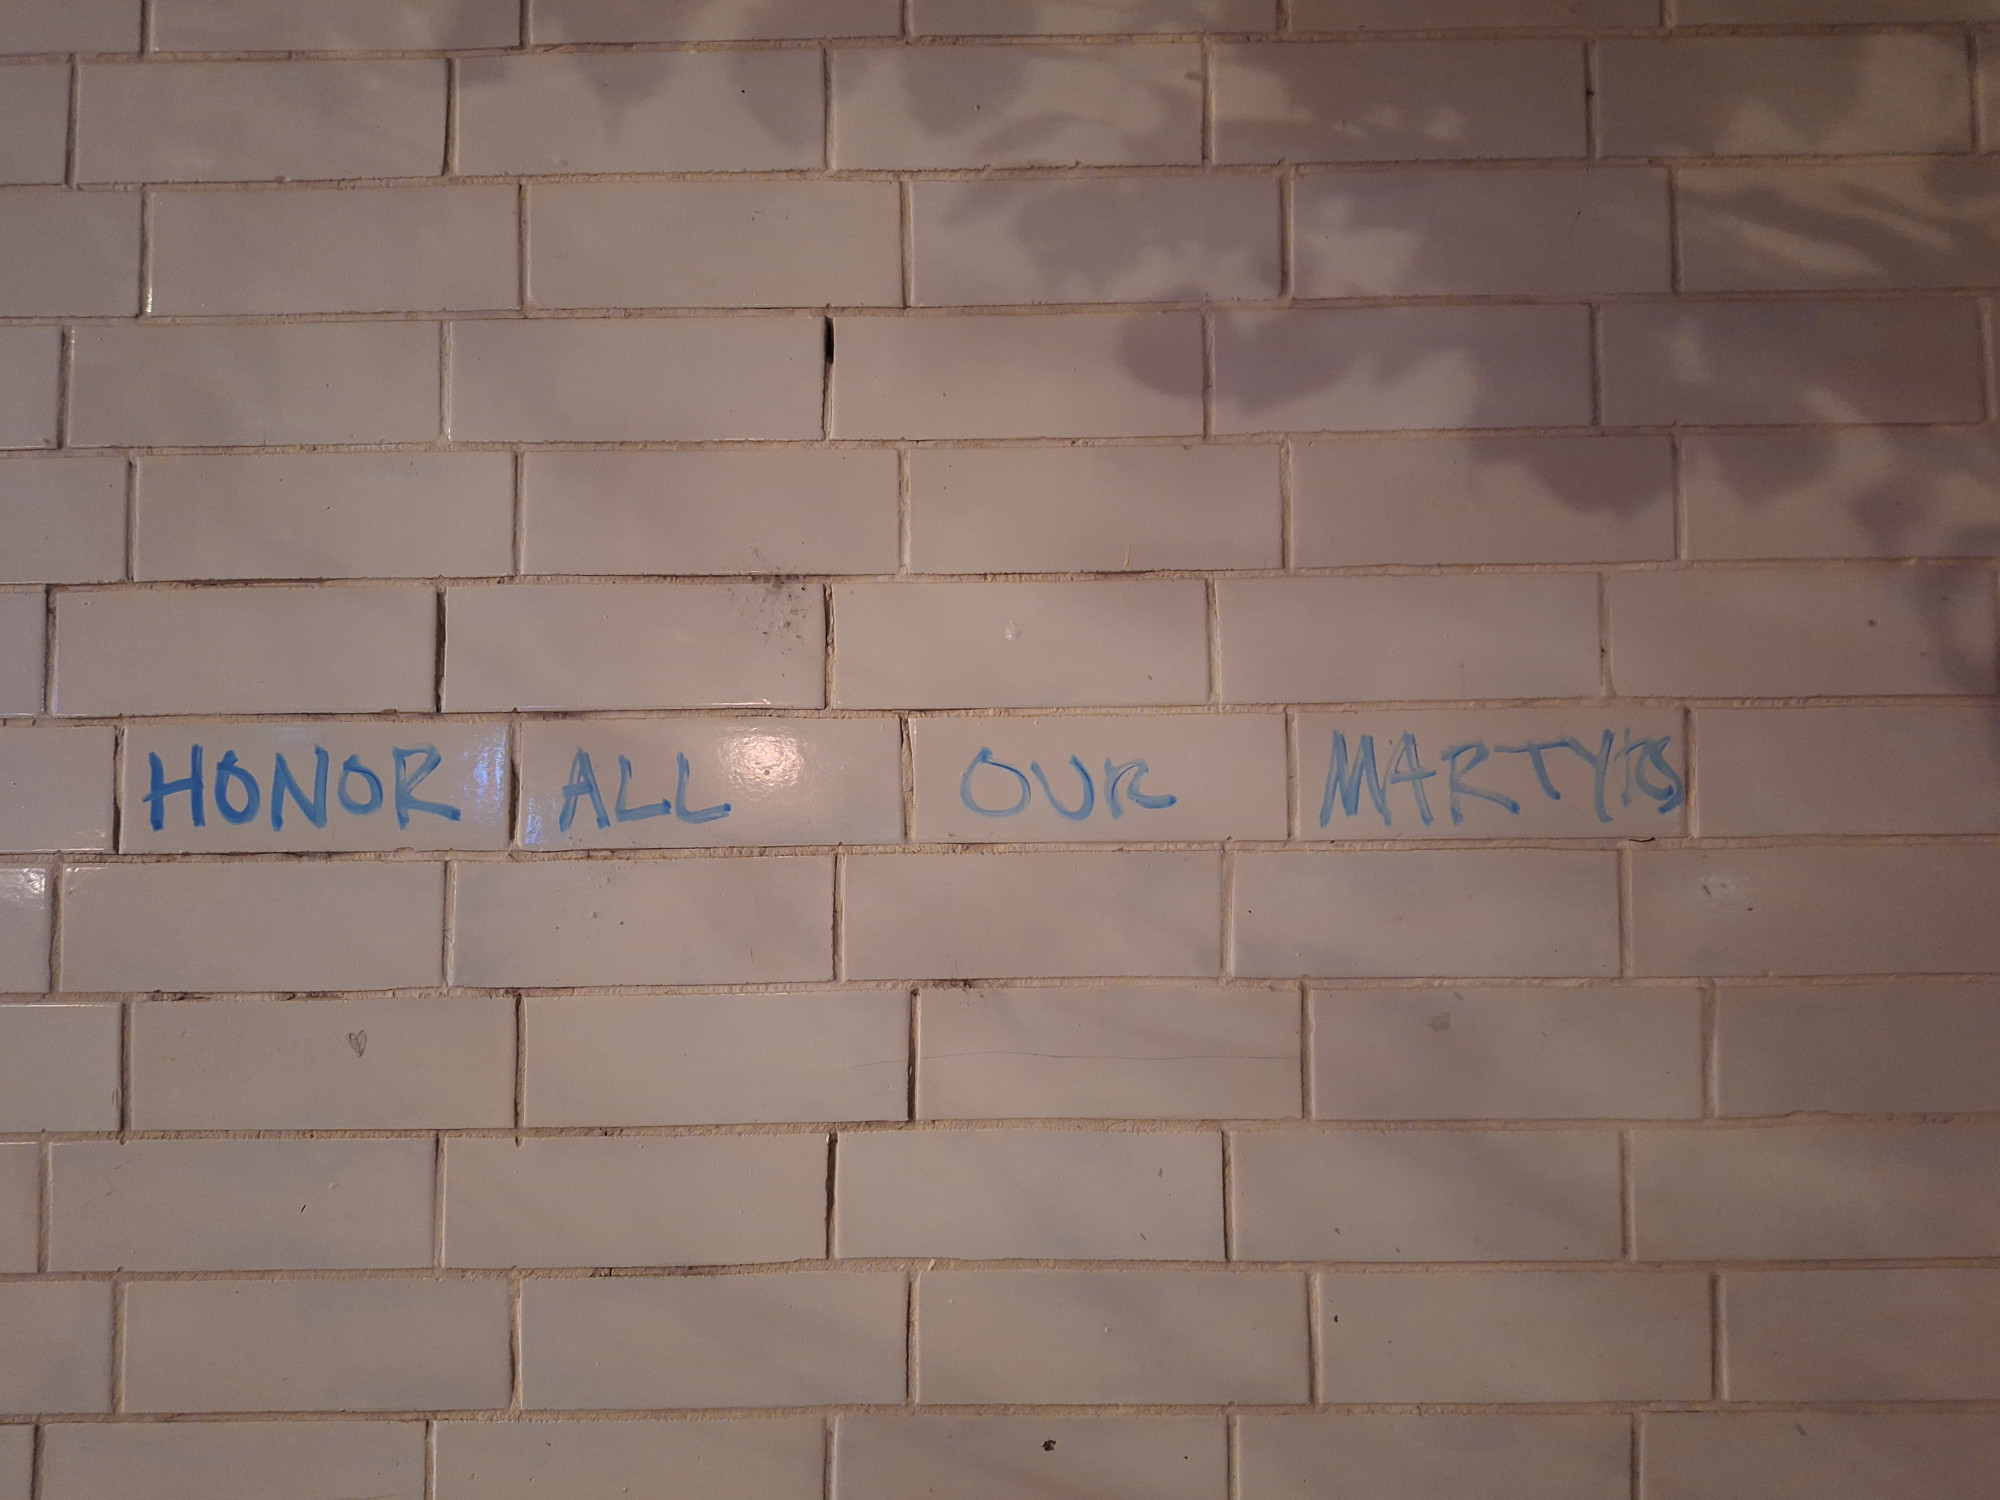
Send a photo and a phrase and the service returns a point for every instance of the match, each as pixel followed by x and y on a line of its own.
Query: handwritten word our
pixel 583 786
pixel 1641 763
pixel 238 794
pixel 1009 798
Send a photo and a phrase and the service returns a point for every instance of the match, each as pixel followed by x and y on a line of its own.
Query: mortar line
pixel 65 380
pixel 519 516
pixel 1676 272
pixel 120 1313
pixel 1711 1060
pixel 447 939
pixel 1233 1455
pixel 520 1063
pixel 1288 222
pixel 1595 316
pixel 1207 101
pixel 38 1462
pixel 1295 817
pixel 827 1430
pixel 1676 478
pixel 444 411
pixel 523 249
pixel 915 1044
pixel 45 1207
pixel 1718 1339
pixel 128 1021
pixel 1212 621
pixel 1625 964
pixel 1637 1456
pixel 1308 1100
pixel 118 735
pixel 131 519
pixel 1228 1195
pixel 437 1201
pixel 525 32
pixel 904 515
pixel 74 115
pixel 1627 1206
pixel 906 209
pixel 514 1392
pixel 1592 145
pixel 1315 1312
pixel 910 1340
pixel 908 778
pixel 839 915
pixel 1207 373
pixel 1976 92
pixel 1606 685
pixel 449 166
pixel 49 689
pixel 1228 938
pixel 430 1460
pixel 1287 508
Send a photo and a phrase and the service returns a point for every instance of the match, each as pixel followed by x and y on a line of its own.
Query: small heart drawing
pixel 358 1040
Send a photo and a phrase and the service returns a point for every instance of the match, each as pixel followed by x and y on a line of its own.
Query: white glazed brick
pixel 1027 1457
pixel 64 252
pixel 572 646
pixel 30 379
pixel 191 121
pixel 353 26
pixel 1019 645
pixel 641 112
pixel 724 1459
pixel 1901 1335
pixel 233 1460
pixel 248 1205
pixel 20 1217
pixel 17 1461
pixel 58 1340
pixel 1083 17
pixel 715 244
pixel 284 650
pixel 1481 15
pixel 1107 1053
pixel 1803 1455
pixel 1039 106
pixel 80 26
pixel 1528 1457
pixel 1030 915
pixel 59 1067
pixel 769 510
pixel 55 788
pixel 34 122
pixel 1159 777
pixel 1101 375
pixel 251 927
pixel 706 21
pixel 680 921
pixel 26 917
pixel 24 624
pixel 350 250
pixel 63 520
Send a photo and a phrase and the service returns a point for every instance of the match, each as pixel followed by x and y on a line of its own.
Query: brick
pixel 1007 645
pixel 972 916
pixel 34 122
pixel 25 918
pixel 1479 1336
pixel 680 1201
pixel 1834 770
pixel 1856 1049
pixel 1782 95
pixel 763 781
pixel 1827 910
pixel 1862 1335
pixel 58 1340
pixel 320 1064
pixel 601 379
pixel 1035 510
pixel 370 25
pixel 1520 773
pixel 62 520
pixel 700 21
pixel 1398 101
pixel 1804 1455
pixel 641 112
pixel 1473 1054
pixel 277 1346
pixel 1817 631
pixel 1029 1194
pixel 1287 640
pixel 224 385
pixel 781 1459
pixel 30 374
pixel 253 1205
pixel 715 244
pixel 64 252
pixel 1135 239
pixel 58 1067
pixel 1466 911
pixel 660 922
pixel 1082 17
pixel 716 1059
pixel 324 515
pixel 1554 230
pixel 286 250
pixel 79 26
pixel 17 1460
pixel 571 646
pixel 751 510
pixel 1360 369
pixel 56 788
pixel 1857 493
pixel 1013 778
pixel 182 927
pixel 20 1215
pixel 1819 12
pixel 1425 1195
pixel 279 650
pixel 233 1460
pixel 1043 106
pixel 678 1341
pixel 188 121
pixel 1107 1053
pixel 1698 363
pixel 23 630
pixel 1816 1193
pixel 1101 375
pixel 1418 1457
pixel 1027 1458
pixel 1077 1337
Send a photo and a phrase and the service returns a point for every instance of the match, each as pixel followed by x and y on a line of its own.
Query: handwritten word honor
pixel 1007 791
pixel 238 794
pixel 583 786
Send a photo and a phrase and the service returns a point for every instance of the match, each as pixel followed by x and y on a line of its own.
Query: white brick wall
pixel 847 749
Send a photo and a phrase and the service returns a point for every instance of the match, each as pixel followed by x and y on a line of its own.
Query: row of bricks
pixel 1786 1455
pixel 768 377
pixel 795 783
pixel 183 927
pixel 637 1062
pixel 1537 231
pixel 1059 1337
pixel 956 107
pixel 1897 1192
pixel 1357 502
pixel 1121 643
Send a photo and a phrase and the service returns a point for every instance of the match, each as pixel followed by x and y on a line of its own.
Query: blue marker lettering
pixel 1338 779
pixel 1089 792
pixel 405 803
pixel 633 814
pixel 1135 770
pixel 985 758
pixel 226 771
pixel 682 811
pixel 353 766
pixel 582 783
pixel 1415 775
pixel 1671 793
pixel 284 784
pixel 160 788
pixel 1456 781
pixel 1535 750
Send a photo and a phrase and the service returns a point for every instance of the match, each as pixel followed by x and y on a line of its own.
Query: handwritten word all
pixel 583 786
pixel 1005 791
pixel 239 795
